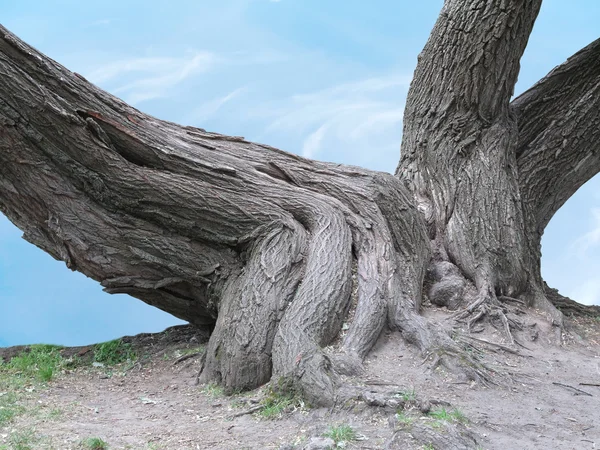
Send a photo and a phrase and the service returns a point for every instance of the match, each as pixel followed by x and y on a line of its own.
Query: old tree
pixel 261 245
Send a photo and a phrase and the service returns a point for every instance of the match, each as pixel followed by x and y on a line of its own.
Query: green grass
pixel 442 414
pixel 274 408
pixel 9 407
pixel 114 352
pixel 407 396
pixel 189 351
pixel 23 440
pixel 428 447
pixel 278 400
pixel 41 362
pixel 341 434
pixel 37 365
pixel 403 418
pixel 94 443
pixel 213 390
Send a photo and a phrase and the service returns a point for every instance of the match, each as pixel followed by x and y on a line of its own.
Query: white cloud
pixel 312 143
pixel 359 120
pixel 345 107
pixel 590 239
pixel 159 75
pixel 210 108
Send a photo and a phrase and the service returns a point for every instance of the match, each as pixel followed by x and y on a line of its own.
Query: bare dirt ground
pixel 547 397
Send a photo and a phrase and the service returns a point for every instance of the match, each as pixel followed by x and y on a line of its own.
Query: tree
pixel 275 252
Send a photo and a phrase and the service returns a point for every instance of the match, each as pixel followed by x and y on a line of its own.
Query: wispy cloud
pixel 152 77
pixel 590 239
pixel 361 115
pixel 312 143
pixel 210 108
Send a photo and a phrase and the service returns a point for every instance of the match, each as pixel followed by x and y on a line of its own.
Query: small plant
pixel 428 447
pixel 190 351
pixel 341 434
pixel 9 408
pixel 280 397
pixel 22 440
pixel 273 407
pixel 95 443
pixel 213 390
pixel 55 413
pixel 407 396
pixel 113 352
pixel 444 415
pixel 403 418
pixel 40 361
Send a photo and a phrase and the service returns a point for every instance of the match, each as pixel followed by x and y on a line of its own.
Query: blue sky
pixel 323 79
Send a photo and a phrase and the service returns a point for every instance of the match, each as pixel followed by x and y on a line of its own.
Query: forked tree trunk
pixel 261 244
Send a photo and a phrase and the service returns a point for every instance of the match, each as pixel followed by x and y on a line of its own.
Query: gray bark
pixel 559 139
pixel 211 228
pixel 260 244
pixel 459 141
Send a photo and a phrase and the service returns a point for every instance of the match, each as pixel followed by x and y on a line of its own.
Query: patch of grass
pixel 403 418
pixel 55 413
pixel 22 440
pixel 341 434
pixel 9 407
pixel 41 362
pixel 278 400
pixel 407 396
pixel 428 447
pixel 273 409
pixel 94 443
pixel 442 414
pixel 113 352
pixel 213 390
pixel 190 351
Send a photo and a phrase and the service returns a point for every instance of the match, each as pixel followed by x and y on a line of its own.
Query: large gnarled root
pixel 239 351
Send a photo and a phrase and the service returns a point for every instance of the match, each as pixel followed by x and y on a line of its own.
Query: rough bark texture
pixel 459 141
pixel 559 139
pixel 260 244
pixel 211 228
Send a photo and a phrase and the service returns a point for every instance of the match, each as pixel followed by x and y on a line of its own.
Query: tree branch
pixel 559 134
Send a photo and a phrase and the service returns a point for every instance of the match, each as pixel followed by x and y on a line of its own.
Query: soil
pixel 546 397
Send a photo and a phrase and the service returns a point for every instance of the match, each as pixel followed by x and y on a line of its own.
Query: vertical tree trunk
pixel 459 153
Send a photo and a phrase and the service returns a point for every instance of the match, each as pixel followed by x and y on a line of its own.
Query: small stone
pixel 394 403
pixel 425 406
pixel 320 443
pixel 374 399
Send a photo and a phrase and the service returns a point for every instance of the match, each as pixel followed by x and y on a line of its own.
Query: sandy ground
pixel 539 402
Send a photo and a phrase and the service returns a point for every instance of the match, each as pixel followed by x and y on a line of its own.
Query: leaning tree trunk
pixel 210 228
pixel 261 244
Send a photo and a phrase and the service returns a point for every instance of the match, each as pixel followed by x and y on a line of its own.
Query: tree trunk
pixel 275 251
